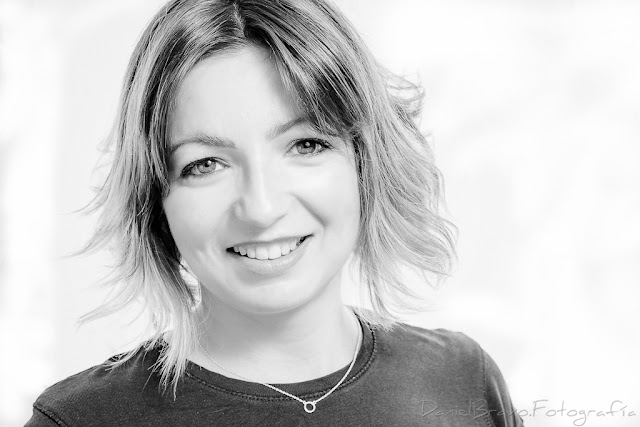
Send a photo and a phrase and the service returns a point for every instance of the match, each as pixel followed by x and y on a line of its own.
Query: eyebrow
pixel 202 139
pixel 215 141
pixel 280 129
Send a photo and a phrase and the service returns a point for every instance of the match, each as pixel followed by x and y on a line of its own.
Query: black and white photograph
pixel 320 213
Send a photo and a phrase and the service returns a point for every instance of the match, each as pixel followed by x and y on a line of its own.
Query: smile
pixel 274 261
pixel 270 251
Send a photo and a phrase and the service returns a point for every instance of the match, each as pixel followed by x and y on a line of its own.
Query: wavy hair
pixel 337 83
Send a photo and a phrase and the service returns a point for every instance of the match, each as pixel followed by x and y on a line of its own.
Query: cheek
pixel 335 196
pixel 192 216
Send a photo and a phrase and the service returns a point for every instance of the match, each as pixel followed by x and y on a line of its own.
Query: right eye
pixel 200 167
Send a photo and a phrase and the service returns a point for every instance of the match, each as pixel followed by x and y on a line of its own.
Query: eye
pixel 307 147
pixel 201 167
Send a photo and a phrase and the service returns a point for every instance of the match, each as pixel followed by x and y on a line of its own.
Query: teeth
pixel 274 252
pixel 263 252
pixel 251 251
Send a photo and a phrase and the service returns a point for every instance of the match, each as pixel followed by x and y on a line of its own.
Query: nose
pixel 261 196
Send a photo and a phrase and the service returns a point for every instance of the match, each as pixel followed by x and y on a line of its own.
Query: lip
pixel 278 241
pixel 271 267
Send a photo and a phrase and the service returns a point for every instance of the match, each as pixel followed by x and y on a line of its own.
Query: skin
pixel 287 328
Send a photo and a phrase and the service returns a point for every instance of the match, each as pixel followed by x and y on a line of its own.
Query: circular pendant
pixel 309 407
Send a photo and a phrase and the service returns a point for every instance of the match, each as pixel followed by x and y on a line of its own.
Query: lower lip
pixel 272 267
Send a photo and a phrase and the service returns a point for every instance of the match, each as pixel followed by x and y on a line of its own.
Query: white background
pixel 534 110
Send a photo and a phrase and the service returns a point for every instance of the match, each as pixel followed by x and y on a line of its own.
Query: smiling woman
pixel 274 182
pixel 258 147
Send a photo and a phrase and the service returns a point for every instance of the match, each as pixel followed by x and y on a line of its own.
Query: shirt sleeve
pixel 498 401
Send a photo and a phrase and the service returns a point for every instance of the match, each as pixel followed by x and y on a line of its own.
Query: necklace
pixel 309 405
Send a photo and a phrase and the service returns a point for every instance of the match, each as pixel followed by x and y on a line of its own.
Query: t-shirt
pixel 409 376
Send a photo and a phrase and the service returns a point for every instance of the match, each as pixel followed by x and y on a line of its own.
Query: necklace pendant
pixel 309 407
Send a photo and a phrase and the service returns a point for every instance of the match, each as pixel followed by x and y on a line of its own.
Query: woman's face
pixel 248 172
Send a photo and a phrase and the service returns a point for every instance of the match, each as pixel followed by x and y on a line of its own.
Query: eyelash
pixel 187 170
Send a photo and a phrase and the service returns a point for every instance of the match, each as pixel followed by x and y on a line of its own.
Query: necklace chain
pixel 309 405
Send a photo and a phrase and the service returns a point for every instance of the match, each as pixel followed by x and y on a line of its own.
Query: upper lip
pixel 280 240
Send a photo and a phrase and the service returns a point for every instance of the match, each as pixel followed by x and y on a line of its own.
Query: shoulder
pixel 99 390
pixel 447 353
pixel 439 347
pixel 455 362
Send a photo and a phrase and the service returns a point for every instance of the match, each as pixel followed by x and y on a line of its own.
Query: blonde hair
pixel 335 80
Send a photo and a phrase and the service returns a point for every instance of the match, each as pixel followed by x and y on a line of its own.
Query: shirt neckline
pixel 305 390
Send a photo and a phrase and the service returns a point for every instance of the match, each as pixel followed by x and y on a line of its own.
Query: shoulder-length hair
pixel 333 77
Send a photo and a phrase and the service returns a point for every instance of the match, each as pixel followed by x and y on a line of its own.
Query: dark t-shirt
pixel 409 376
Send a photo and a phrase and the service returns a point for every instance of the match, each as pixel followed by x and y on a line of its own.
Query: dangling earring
pixel 195 287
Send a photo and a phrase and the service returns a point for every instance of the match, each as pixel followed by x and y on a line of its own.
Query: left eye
pixel 307 147
pixel 201 167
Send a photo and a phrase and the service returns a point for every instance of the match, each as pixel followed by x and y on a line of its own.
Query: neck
pixel 298 345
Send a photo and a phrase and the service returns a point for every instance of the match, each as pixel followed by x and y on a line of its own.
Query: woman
pixel 258 147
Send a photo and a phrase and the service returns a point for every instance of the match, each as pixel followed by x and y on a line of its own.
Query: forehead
pixel 234 94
